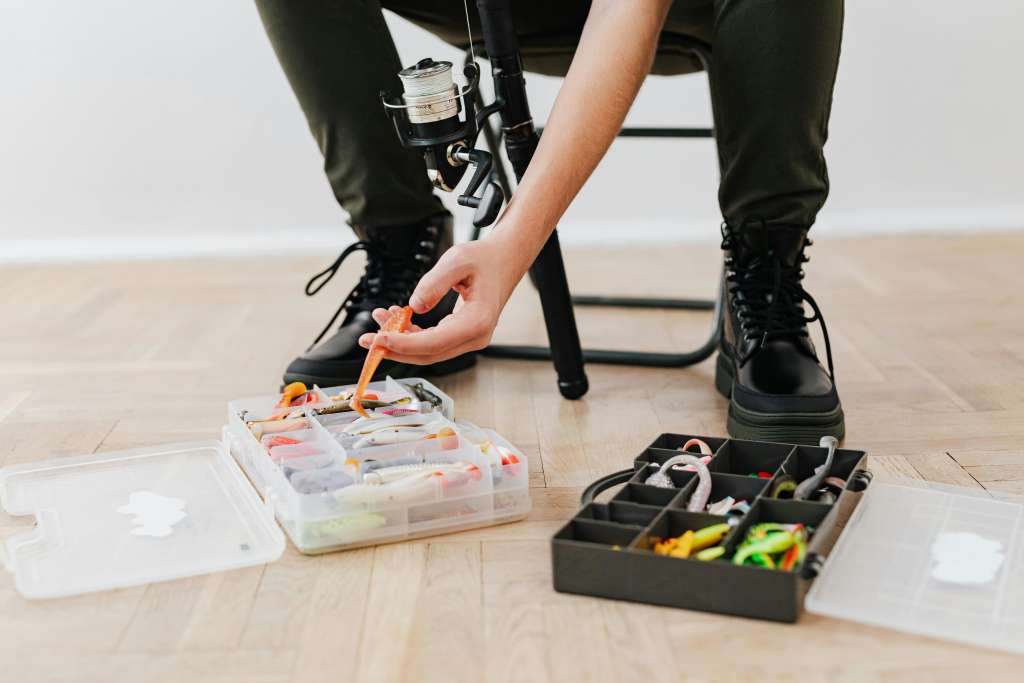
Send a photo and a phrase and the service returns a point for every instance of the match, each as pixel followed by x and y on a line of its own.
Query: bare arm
pixel 614 56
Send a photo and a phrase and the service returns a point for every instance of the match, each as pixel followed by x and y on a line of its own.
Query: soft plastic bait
pixel 813 482
pixel 775 542
pixel 700 497
pixel 291 393
pixel 709 536
pixel 399 322
pixel 783 487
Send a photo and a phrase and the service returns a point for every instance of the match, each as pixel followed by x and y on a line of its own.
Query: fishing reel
pixel 427 117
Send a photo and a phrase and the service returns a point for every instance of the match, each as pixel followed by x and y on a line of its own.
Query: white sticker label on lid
pixel 965 558
pixel 155 515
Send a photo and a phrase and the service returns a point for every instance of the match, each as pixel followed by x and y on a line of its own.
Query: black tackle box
pixel 605 549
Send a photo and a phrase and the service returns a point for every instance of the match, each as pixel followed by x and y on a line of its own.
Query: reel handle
pixel 488 204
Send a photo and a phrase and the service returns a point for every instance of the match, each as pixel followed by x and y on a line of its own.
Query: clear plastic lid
pixel 120 519
pixel 930 559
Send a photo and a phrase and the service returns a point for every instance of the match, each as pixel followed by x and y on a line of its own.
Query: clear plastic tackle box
pixel 110 520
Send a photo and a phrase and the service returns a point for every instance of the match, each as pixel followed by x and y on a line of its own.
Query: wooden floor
pixel 928 336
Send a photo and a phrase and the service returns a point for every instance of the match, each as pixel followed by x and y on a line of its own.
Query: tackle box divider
pixel 735 448
pixel 673 442
pixel 634 508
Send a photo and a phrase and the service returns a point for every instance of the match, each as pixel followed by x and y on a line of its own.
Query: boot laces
pixel 386 281
pixel 768 297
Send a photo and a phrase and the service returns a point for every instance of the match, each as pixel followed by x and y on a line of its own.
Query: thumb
pixel 449 271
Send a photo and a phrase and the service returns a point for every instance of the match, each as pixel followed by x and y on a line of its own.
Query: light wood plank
pixel 930 366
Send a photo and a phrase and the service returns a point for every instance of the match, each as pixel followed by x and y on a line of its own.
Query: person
pixel 772 75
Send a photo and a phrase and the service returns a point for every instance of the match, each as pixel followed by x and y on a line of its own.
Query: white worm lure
pixel 700 497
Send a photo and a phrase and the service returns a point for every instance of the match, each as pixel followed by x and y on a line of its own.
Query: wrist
pixel 518 242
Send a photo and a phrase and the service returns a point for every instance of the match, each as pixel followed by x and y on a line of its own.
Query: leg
pixel 772 73
pixel 773 69
pixel 338 55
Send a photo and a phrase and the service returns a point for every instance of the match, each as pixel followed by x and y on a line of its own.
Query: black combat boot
pixel 396 259
pixel 766 361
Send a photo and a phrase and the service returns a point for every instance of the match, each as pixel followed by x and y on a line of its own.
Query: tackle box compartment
pixel 319 521
pixel 605 550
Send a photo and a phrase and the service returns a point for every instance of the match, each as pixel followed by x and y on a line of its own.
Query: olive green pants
pixel 772 73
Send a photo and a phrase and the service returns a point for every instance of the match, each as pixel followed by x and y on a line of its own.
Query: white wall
pixel 167 127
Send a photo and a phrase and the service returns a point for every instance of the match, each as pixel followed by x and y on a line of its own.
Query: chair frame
pixel 520 138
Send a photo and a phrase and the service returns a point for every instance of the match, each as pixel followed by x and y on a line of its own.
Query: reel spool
pixel 433 104
pixel 427 117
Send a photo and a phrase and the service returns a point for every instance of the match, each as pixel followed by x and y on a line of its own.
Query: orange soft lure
pixel 397 323
pixel 291 393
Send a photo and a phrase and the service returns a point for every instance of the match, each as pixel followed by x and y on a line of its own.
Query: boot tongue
pixel 785 242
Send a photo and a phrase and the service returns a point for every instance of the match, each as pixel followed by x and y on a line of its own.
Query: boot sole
pixel 798 428
pixel 399 371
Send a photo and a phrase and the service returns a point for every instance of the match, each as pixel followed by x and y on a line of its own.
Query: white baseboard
pixel 321 240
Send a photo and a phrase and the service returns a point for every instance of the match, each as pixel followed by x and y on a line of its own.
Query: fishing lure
pixel 295 393
pixel 406 483
pixel 702 447
pixel 374 423
pixel 836 482
pixel 319 480
pixel 301 450
pixel 338 528
pixel 306 464
pixel 738 510
pixel 700 497
pixel 387 475
pixel 690 468
pixel 690 542
pixel 274 440
pixel 824 496
pixel 261 428
pixel 372 404
pixel 709 554
pixel 507 456
pixel 425 395
pixel 783 487
pixel 773 546
pixel 813 482
pixel 393 435
pixel 397 323
pixel 710 535
pixel 399 411
pixel 684 544
pixel 720 507
pixel 728 505
pixel 773 543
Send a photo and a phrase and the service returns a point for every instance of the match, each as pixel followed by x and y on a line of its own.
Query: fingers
pixel 453 267
pixel 382 315
pixel 428 360
pixel 469 330
pixel 466 327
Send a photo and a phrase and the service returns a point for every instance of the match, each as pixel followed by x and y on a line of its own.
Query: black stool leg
pixel 521 138
pixel 548 273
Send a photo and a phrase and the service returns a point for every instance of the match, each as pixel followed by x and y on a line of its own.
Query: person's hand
pixel 484 273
